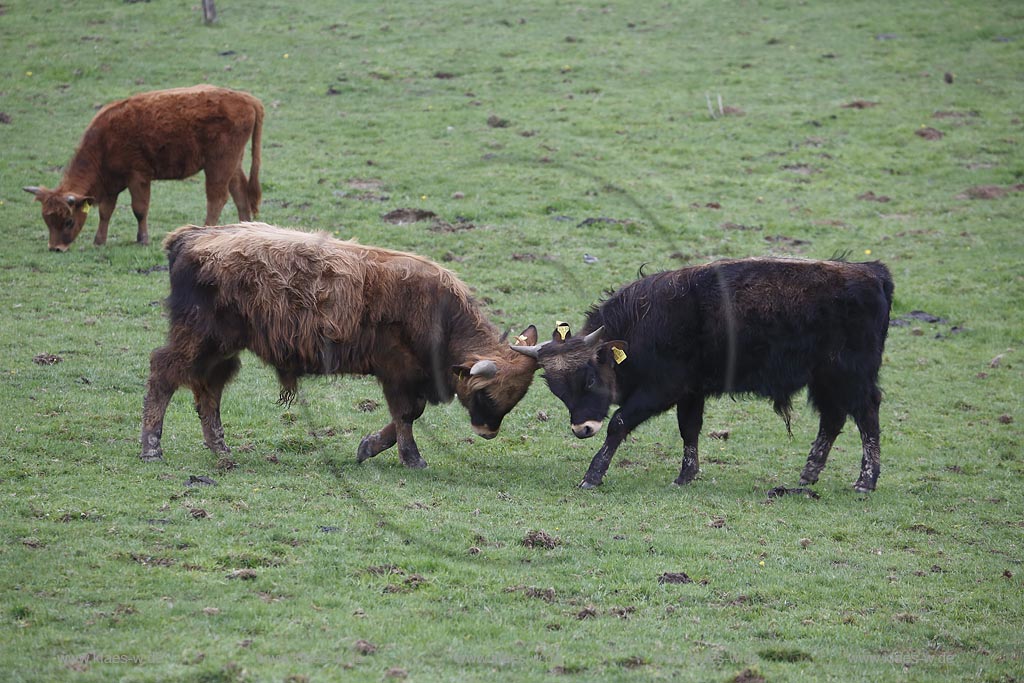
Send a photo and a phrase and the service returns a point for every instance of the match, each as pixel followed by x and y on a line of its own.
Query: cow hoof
pixel 417 463
pixel 685 478
pixel 863 487
pixel 589 484
pixel 804 481
pixel 366 450
pixel 155 455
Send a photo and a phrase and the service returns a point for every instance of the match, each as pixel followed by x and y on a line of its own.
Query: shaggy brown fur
pixel 159 135
pixel 310 304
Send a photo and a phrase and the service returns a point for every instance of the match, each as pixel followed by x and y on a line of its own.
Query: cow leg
pixel 690 416
pixel 240 194
pixel 165 376
pixel 829 426
pixel 625 420
pixel 139 190
pixel 378 442
pixel 207 400
pixel 870 436
pixel 216 194
pixel 405 408
pixel 106 208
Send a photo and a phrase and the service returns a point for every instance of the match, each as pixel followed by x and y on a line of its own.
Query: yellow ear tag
pixel 521 340
pixel 85 208
pixel 618 354
pixel 562 329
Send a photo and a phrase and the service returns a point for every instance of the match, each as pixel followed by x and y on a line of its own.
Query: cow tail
pixel 254 192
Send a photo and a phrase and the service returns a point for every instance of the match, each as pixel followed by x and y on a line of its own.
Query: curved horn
pixel 484 368
pixel 594 337
pixel 531 351
pixel 33 189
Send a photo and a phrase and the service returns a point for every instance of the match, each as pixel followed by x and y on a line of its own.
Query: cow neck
pixel 82 175
pixel 472 336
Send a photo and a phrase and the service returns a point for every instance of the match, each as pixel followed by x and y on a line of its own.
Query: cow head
pixel 580 371
pixel 491 387
pixel 64 213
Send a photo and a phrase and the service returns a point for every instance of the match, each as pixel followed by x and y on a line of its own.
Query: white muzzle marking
pixel 587 429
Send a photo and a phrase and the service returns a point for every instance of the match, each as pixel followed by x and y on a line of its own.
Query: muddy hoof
pixel 366 450
pixel 863 487
pixel 153 455
pixel 585 484
pixel 417 463
pixel 685 478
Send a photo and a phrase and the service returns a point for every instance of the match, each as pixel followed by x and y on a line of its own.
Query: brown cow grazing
pixel 159 135
pixel 308 304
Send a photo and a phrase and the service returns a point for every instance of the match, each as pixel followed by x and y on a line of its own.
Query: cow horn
pixel 594 337
pixel 484 368
pixel 531 351
pixel 33 189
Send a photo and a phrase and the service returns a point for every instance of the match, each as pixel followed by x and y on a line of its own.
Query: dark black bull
pixel 767 327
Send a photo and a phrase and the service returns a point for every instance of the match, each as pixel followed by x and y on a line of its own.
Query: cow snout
pixel 484 431
pixel 59 247
pixel 587 429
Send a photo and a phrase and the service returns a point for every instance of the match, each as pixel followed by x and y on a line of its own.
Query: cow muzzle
pixel 484 431
pixel 61 248
pixel 587 429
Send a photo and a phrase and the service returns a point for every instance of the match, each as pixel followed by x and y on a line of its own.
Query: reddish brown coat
pixel 159 135
pixel 310 304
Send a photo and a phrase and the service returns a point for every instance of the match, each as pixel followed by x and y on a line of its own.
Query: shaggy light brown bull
pixel 308 304
pixel 159 135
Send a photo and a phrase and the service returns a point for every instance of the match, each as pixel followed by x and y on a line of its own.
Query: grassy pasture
pixel 537 133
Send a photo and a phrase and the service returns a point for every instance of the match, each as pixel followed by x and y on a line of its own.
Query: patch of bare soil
pixel 674 577
pixel 748 676
pixel 780 491
pixel 916 316
pixel 444 226
pixel 989 191
pixel 194 480
pixel 5 118
pixel 870 196
pixel 929 133
pixel 46 359
pixel 541 539
pixel 955 114
pixel 603 219
pixel 860 104
pixel 545 594
pixel 729 225
pixel 800 169
pixel 405 216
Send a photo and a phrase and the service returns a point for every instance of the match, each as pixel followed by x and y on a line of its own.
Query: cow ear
pixel 561 333
pixel 612 353
pixel 527 337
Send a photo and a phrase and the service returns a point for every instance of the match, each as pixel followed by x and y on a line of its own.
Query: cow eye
pixel 69 223
pixel 591 380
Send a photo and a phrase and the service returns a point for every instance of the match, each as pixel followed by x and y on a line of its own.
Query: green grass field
pixel 656 135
